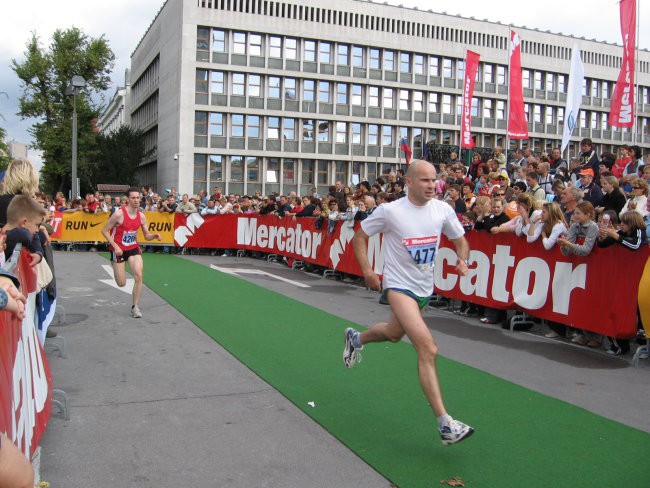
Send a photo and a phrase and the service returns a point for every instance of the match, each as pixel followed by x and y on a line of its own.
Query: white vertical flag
pixel 574 95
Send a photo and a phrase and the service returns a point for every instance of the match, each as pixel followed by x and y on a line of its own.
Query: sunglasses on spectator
pixel 501 194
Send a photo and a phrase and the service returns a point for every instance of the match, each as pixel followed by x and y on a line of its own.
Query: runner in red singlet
pixel 121 233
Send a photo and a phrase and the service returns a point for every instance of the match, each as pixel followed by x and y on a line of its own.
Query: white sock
pixel 443 420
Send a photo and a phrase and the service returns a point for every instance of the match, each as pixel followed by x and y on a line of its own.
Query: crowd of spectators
pixel 574 205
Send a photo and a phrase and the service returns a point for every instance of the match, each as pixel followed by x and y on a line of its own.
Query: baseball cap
pixel 586 171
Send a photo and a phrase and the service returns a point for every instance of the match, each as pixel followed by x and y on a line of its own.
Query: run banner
pixel 517 124
pixel 25 378
pixel 505 271
pixel 622 112
pixel 471 67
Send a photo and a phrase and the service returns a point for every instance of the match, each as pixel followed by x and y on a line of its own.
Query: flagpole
pixel 636 72
pixel 507 112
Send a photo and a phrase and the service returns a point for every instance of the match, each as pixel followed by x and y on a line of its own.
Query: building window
pixel 389 60
pixel 357 95
pixel 375 58
pixel 201 82
pixel 525 78
pixel 447 68
pixel 418 64
pixel 550 115
pixel 255 44
pixel 561 83
pixel 488 73
pixel 254 85
pixel 539 80
pixel 447 105
pixel 474 110
pixel 324 91
pixel 323 131
pixel 322 172
pixel 290 129
pixel 388 98
pixel 253 126
pixel 405 63
pixel 460 69
pixel 273 170
pixel 217 84
pixel 289 171
pixel 501 110
pixel 308 171
pixel 434 103
pixel 501 75
pixel 404 100
pixel 202 39
pixel 308 90
pixel 236 168
pixel 341 132
pixel 274 87
pixel 550 82
pixel 237 126
pixel 356 133
pixel 290 88
pixel 373 135
pixel 275 47
pixel 357 57
pixel 308 130
pixel 218 41
pixel 343 56
pixel 434 66
pixel 216 168
pixel 201 123
pixel 273 128
pixel 325 55
pixel 290 48
pixel 200 172
pixel 488 108
pixel 252 168
pixel 386 135
pixel 238 84
pixel 216 124
pixel 310 51
pixel 418 101
pixel 373 96
pixel 341 171
pixel 239 43
pixel 342 93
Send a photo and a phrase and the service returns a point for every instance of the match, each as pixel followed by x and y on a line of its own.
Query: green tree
pixel 4 151
pixel 45 74
pixel 118 156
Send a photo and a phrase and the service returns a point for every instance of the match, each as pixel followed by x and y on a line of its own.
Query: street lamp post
pixel 74 87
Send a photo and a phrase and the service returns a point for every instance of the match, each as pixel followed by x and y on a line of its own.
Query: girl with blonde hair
pixel 550 226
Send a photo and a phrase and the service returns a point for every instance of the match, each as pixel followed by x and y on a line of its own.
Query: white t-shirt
pixel 411 237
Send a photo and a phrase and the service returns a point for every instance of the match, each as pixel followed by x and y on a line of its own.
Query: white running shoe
pixel 351 354
pixel 454 431
pixel 135 312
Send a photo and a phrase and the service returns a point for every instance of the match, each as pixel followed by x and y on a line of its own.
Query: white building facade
pixel 283 95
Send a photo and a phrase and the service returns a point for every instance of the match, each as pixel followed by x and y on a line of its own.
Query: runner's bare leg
pixel 136 264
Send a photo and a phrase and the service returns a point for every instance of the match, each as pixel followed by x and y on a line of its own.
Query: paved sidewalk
pixel 154 402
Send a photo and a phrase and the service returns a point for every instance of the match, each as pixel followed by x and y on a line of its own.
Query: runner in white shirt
pixel 412 228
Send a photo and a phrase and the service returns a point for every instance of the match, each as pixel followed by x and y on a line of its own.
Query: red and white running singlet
pixel 126 235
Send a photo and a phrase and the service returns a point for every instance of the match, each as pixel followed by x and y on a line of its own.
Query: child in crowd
pixel 631 235
pixel 550 226
pixel 24 217
pixel 468 220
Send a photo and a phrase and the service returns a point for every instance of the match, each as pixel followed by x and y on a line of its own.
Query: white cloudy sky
pixel 124 22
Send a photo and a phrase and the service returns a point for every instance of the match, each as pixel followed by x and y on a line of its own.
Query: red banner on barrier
pixel 506 271
pixel 25 379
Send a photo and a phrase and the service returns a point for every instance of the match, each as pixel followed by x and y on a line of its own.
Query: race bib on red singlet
pixel 422 250
pixel 129 238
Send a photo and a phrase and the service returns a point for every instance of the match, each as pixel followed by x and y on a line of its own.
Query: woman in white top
pixel 550 226
pixel 526 207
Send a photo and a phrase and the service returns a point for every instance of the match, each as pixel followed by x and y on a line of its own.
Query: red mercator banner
pixel 25 379
pixel 471 67
pixel 505 271
pixel 517 124
pixel 622 112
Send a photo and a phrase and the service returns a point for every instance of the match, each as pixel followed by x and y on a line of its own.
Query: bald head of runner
pixel 420 179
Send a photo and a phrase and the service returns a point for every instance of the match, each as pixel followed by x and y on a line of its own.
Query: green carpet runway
pixel 522 439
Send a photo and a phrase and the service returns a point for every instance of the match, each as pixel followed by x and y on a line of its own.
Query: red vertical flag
pixel 517 124
pixel 622 112
pixel 471 67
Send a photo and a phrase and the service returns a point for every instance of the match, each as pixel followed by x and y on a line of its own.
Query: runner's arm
pixel 113 221
pixel 462 251
pixel 145 231
pixel 360 244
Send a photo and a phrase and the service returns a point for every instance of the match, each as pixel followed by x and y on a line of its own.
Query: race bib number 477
pixel 422 250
